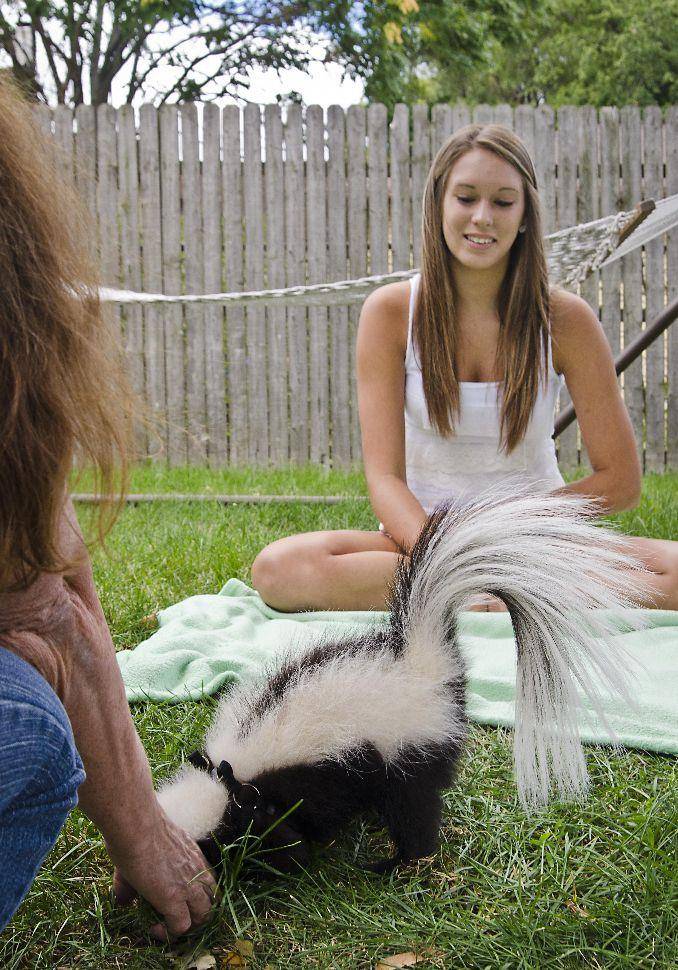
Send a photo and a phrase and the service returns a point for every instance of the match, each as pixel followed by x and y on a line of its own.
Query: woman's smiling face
pixel 483 209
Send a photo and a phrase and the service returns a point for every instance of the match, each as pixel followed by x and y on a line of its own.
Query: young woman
pixel 62 701
pixel 459 371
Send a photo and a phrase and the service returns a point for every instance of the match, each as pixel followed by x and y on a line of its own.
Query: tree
pixel 204 48
pixel 422 50
pixel 574 52
pixel 181 49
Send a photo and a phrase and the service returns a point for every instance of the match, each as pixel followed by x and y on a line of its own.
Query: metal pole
pixel 627 356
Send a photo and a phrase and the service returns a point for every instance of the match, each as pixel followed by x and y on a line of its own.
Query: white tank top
pixel 471 460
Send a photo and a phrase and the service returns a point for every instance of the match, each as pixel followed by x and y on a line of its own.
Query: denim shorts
pixel 40 773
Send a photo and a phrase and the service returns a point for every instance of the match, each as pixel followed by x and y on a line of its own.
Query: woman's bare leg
pixel 333 570
pixel 659 590
pixel 338 570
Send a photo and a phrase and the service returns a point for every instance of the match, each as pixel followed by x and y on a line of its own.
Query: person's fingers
pixel 123 893
pixel 177 922
pixel 201 901
pixel 159 932
pixel 197 913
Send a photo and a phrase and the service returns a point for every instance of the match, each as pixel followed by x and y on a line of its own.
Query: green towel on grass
pixel 206 642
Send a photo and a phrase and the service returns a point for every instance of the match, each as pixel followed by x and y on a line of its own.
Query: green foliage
pixel 609 52
pixel 418 50
pixel 564 52
pixel 520 51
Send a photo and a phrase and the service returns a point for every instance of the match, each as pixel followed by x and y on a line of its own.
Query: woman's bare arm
pixel 582 354
pixel 58 626
pixel 382 343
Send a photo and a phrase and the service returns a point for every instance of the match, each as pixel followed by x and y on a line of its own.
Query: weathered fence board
pixel 195 283
pixel 377 199
pixel 566 202
pixel 671 142
pixel 107 214
pixel 316 229
pixel 200 199
pixel 421 161
pixel 609 203
pixel 213 316
pixel 236 346
pixel 588 207
pixel 442 126
pixel 340 352
pixel 356 133
pixel 86 156
pixel 64 138
pixel 276 336
pixel 130 253
pixel 400 187
pixel 257 391
pixel 295 253
pixel 632 268
pixel 654 288
pixel 151 270
pixel 170 197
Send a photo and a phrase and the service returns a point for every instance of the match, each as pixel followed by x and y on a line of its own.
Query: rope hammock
pixel 573 254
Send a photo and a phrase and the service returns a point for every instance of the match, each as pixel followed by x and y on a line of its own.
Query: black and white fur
pixel 377 721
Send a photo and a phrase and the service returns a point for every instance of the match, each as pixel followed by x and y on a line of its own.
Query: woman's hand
pixel 168 869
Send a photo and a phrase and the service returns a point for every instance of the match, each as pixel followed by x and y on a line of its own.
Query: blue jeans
pixel 40 772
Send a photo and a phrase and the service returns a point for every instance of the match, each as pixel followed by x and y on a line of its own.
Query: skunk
pixel 377 721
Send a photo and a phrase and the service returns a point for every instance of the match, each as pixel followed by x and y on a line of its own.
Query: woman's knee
pixel 287 566
pixel 38 755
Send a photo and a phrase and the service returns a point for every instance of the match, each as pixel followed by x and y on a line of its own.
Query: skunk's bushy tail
pixel 564 581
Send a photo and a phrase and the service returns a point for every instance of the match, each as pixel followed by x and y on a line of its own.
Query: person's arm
pixel 381 347
pixel 68 641
pixel 582 354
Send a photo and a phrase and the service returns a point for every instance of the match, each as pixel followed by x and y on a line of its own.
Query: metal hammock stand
pixel 573 254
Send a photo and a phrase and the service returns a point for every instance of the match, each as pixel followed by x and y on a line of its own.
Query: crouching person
pixel 66 733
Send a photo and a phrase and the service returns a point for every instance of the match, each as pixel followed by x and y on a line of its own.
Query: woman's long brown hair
pixel 522 353
pixel 62 392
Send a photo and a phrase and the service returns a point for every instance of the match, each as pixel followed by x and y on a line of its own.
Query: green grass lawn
pixel 592 885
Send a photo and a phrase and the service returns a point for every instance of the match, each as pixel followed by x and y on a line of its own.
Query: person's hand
pixel 172 874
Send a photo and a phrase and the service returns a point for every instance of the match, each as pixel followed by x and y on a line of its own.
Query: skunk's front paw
pixel 383 867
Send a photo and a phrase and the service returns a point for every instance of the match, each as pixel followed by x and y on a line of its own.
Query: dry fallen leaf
pixel 237 957
pixel 408 959
pixel 202 961
pixel 233 959
pixel 578 910
pixel 150 621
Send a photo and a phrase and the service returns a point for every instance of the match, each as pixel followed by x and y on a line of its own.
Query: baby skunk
pixel 377 721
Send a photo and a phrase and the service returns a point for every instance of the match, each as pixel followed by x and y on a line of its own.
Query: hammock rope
pixel 573 254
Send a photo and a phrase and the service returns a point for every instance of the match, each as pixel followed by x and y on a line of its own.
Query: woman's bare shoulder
pixel 569 310
pixel 393 297
pixel 575 328
pixel 385 312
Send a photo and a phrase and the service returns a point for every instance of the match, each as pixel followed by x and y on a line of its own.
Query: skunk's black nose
pixel 225 774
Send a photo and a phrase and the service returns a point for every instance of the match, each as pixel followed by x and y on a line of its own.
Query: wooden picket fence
pixel 199 199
